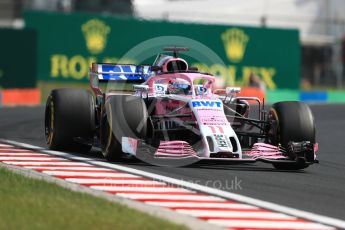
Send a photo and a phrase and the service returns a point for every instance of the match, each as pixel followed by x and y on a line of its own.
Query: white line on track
pixel 39 158
pixel 113 181
pixel 57 168
pixel 172 197
pixel 212 191
pixel 237 214
pixel 259 224
pixel 26 154
pixel 13 151
pixel 5 146
pixel 138 189
pixel 51 163
pixel 89 174
pixel 201 205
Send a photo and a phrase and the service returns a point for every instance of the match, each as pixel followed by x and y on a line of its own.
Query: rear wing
pixel 117 72
pixel 120 72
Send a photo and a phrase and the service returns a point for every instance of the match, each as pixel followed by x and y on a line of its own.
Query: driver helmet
pixel 179 86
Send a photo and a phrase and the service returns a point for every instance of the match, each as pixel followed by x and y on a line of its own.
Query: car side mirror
pixel 192 68
pixel 141 88
pixel 156 68
pixel 232 90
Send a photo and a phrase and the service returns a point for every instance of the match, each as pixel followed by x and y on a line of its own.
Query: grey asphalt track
pixel 319 189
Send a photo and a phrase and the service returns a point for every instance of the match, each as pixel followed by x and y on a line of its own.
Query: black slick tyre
pixel 292 121
pixel 69 120
pixel 122 116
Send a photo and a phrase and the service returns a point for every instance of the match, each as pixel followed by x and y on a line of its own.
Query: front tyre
pixel 122 116
pixel 292 121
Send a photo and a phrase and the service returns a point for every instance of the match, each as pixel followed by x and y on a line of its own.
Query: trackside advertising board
pixel 17 58
pixel 69 43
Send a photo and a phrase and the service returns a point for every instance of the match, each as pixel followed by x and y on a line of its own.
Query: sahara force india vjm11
pixel 174 112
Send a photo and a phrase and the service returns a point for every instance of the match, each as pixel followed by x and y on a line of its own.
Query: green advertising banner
pixel 69 43
pixel 17 58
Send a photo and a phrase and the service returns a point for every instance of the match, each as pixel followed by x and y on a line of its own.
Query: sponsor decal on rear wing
pixel 120 72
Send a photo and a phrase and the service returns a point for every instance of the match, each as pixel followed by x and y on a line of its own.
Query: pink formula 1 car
pixel 173 114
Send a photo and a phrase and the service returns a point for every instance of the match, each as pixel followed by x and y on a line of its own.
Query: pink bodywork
pixel 266 151
pixel 174 149
pixel 212 118
pixel 182 149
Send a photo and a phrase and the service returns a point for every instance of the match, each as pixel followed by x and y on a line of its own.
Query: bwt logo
pixel 217 104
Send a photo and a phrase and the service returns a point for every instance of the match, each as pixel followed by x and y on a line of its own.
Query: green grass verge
pixel 27 203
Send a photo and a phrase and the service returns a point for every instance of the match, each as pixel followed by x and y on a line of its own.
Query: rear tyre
pixel 122 116
pixel 292 121
pixel 69 120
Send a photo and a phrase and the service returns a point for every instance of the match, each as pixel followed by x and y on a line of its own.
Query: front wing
pixel 180 151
